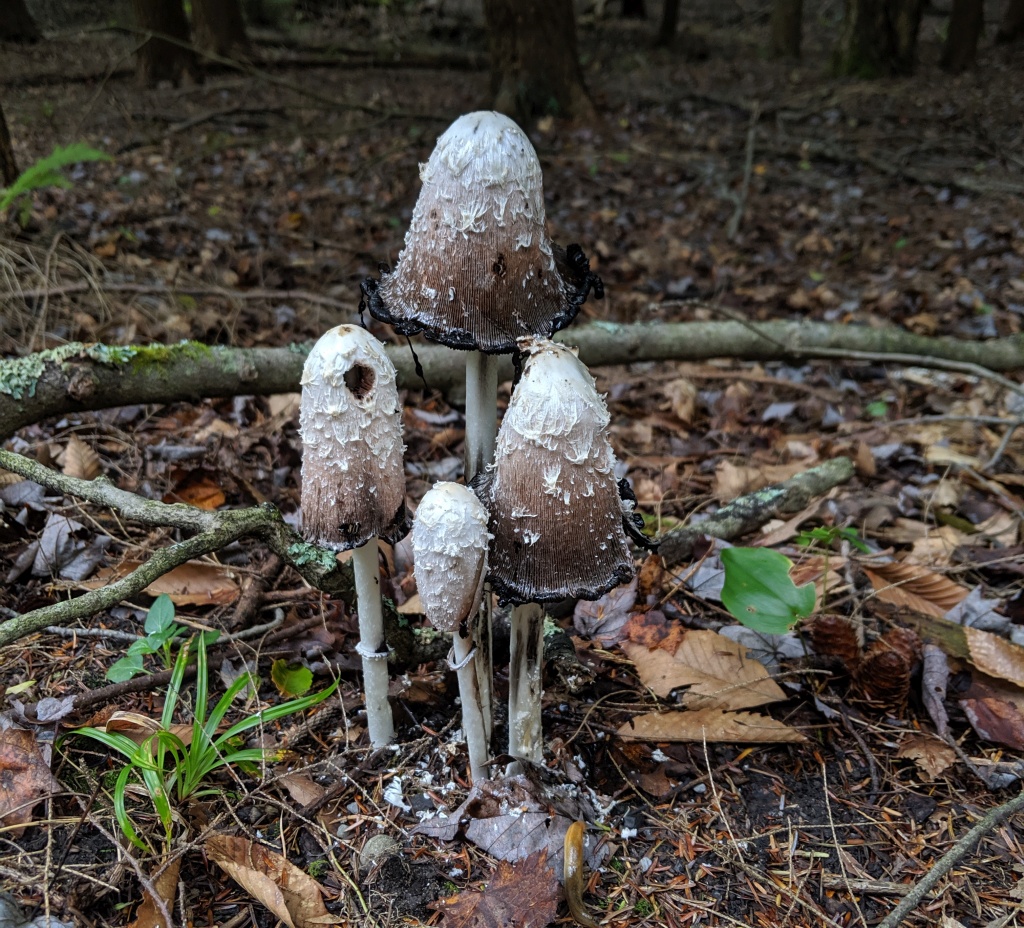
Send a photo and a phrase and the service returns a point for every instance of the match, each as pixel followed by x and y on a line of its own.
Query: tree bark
pixel 879 38
pixel 16 23
pixel 787 26
pixel 667 27
pixel 966 22
pixel 159 59
pixel 76 378
pixel 535 65
pixel 1012 26
pixel 8 165
pixel 634 9
pixel 219 27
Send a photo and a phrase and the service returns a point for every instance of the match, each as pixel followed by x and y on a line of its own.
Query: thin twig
pixel 951 858
pixel 733 226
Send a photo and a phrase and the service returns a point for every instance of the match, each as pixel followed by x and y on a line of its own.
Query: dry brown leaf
pixel 8 479
pixel 936 549
pixel 732 480
pixel 80 460
pixel 139 727
pixel 715 669
pixel 412 606
pixel 913 587
pixel 25 779
pixel 930 754
pixel 524 895
pixel 995 656
pixel 166 885
pixel 191 584
pixel 301 788
pixel 708 725
pixel 682 399
pixel 198 488
pixel 292 895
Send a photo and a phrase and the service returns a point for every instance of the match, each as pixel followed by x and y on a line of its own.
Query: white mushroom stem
pixel 477 736
pixel 526 646
pixel 371 646
pixel 481 432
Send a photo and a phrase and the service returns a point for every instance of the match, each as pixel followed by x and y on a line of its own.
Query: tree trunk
pixel 159 59
pixel 1012 26
pixel 219 27
pixel 8 165
pixel 16 24
pixel 787 24
pixel 667 26
pixel 634 9
pixel 965 24
pixel 535 67
pixel 878 38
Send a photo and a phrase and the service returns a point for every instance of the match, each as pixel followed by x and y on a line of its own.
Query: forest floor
pixel 246 210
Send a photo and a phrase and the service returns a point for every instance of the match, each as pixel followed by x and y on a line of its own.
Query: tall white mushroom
pixel 353 482
pixel 449 543
pixel 555 514
pixel 478 272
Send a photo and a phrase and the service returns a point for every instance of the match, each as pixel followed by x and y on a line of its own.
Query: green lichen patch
pixel 302 554
pixel 19 377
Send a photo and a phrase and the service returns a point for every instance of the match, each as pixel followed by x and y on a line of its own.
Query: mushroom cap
pixel 449 544
pixel 478 270
pixel 350 420
pixel 555 511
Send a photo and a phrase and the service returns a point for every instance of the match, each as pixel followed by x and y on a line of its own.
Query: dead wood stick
pixel 755 509
pixel 733 227
pixel 964 846
pixel 77 377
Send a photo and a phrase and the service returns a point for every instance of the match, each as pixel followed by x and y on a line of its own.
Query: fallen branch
pixel 76 377
pixel 750 512
pixel 951 858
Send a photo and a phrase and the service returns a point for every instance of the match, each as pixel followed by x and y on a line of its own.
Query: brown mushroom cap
pixel 478 270
pixel 449 544
pixel 353 478
pixel 554 505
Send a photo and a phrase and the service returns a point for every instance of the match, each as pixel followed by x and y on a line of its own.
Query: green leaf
pixel 161 615
pixel 46 171
pixel 877 409
pixel 125 668
pixel 291 679
pixel 759 592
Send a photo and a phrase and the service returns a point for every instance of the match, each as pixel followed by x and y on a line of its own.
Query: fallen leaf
pixel 733 480
pixel 716 671
pixel 913 587
pixel 301 788
pixel 80 460
pixel 25 779
pixel 525 895
pixel 930 754
pixel 191 584
pixel 934 683
pixel 995 656
pixel 708 725
pixel 166 885
pixel 197 488
pixel 605 618
pixel 291 895
pixel 997 720
pixel 67 549
pixel 682 399
pixel 139 727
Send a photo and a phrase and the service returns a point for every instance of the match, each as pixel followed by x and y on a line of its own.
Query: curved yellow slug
pixel 572 874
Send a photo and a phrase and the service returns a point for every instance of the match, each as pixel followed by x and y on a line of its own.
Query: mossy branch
pixel 78 377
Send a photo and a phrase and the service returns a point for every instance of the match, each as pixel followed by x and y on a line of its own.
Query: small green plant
pixel 46 172
pixel 161 630
pixel 830 535
pixel 173 769
pixel 759 592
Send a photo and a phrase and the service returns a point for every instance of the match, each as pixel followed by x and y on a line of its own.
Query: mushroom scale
pixel 478 270
pixel 555 511
pixel 350 420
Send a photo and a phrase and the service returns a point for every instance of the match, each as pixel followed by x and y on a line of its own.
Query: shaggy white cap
pixel 555 510
pixel 449 544
pixel 353 478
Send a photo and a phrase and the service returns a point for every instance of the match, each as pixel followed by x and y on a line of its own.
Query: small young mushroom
pixel 555 514
pixel 353 482
pixel 449 543
pixel 478 272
